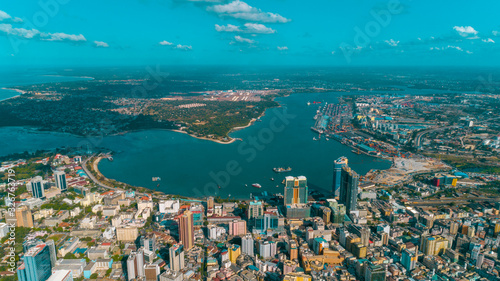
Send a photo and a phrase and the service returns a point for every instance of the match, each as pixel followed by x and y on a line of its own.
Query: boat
pixel 110 158
pixel 218 186
pixel 272 179
pixel 314 138
pixel 156 179
pixel 282 170
pixel 256 185
pixel 308 103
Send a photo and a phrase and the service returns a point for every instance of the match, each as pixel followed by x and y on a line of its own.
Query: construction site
pixel 403 169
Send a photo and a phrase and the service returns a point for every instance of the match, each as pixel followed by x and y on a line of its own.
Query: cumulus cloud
pixel 227 28
pixel 59 36
pixel 258 28
pixel 465 31
pixel 284 48
pixel 166 43
pixel 488 40
pixel 241 10
pixel 392 42
pixel 6 17
pixel 255 28
pixel 495 33
pixel 183 47
pixel 243 40
pixel 7 29
pixel 452 47
pixel 100 44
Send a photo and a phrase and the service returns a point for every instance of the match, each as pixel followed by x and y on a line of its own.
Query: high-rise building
pixel 37 264
pixel 238 227
pixel 337 171
pixel 255 209
pixel 375 272
pixel 210 203
pixel 408 259
pixel 37 187
pixel 267 249
pixel 296 190
pixel 176 257
pixel 24 217
pixel 247 245
pixel 135 265
pixel 349 189
pixel 60 178
pixel 266 222
pixel 186 230
pixel 362 232
pixel 234 253
pixel 148 241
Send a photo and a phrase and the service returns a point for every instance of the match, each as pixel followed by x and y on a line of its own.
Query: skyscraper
pixel 349 189
pixel 24 217
pixel 135 264
pixel 247 245
pixel 37 187
pixel 176 253
pixel 210 203
pixel 296 190
pixel 186 230
pixel 60 178
pixel 337 171
pixel 148 241
pixel 37 264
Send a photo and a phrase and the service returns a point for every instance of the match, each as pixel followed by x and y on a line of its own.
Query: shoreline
pixel 20 92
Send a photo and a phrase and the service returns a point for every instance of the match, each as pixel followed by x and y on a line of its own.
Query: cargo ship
pixel 256 185
pixel 282 170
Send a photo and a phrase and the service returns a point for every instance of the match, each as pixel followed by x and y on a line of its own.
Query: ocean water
pixel 194 167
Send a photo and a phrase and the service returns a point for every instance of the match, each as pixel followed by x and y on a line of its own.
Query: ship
pixel 156 179
pixel 256 185
pixel 308 103
pixel 282 170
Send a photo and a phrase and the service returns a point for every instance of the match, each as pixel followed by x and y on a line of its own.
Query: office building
pixel 237 227
pixel 36 264
pixel 24 217
pixel 349 189
pixel 37 187
pixel 255 209
pixel 148 241
pixel 247 245
pixel 234 253
pixel 135 265
pixel 186 230
pixel 337 171
pixel 176 253
pixel 267 249
pixel 409 259
pixel 375 272
pixel 296 190
pixel 210 203
pixel 60 178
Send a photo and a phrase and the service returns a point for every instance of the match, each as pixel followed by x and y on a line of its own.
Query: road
pixel 446 201
pixel 91 176
pixel 419 135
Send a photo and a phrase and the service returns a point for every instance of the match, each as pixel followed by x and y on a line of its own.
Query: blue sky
pixel 249 32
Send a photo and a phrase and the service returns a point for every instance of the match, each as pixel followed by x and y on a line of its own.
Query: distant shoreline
pixel 20 92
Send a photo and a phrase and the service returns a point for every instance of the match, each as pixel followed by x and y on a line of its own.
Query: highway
pixel 447 201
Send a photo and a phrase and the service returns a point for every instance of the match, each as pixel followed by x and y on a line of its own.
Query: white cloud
pixel 183 47
pixel 489 40
pixel 101 44
pixel 20 32
pixel 59 36
pixel 249 28
pixel 258 28
pixel 465 31
pixel 284 48
pixel 165 43
pixel 241 10
pixel 243 40
pixel 495 33
pixel 227 28
pixel 392 42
